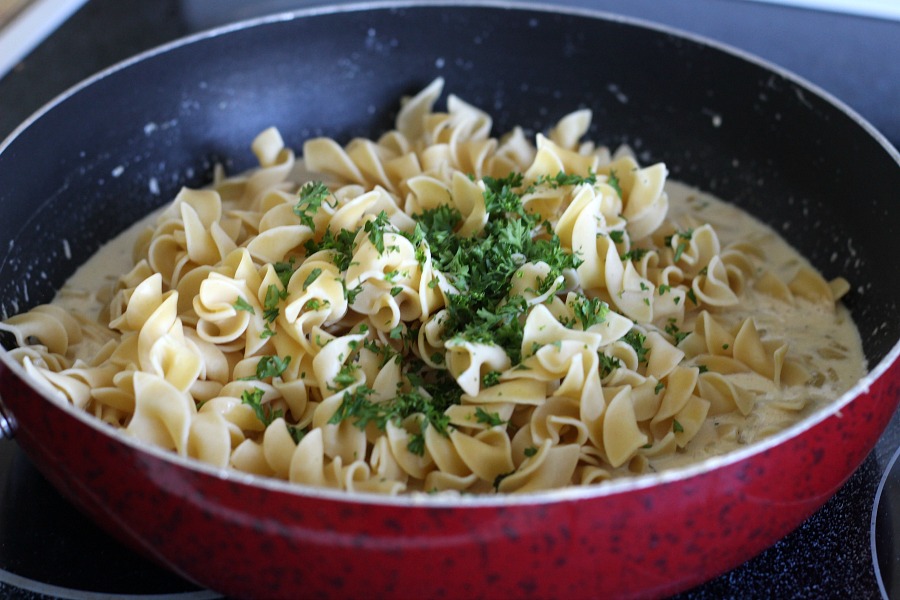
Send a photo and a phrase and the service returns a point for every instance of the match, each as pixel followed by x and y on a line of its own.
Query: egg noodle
pixel 438 309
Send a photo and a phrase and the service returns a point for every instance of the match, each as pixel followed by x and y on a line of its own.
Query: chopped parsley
pixel 265 414
pixel 351 294
pixel 491 419
pixel 673 330
pixel 481 267
pixel 311 278
pixel 340 243
pixel 588 312
pixel 270 307
pixel 346 376
pixel 608 364
pixel 635 254
pixel 613 182
pixel 309 200
pixel 489 379
pixel 430 398
pixel 376 228
pixel 500 195
pixel 499 479
pixel 241 304
pixel 692 297
pixel 315 304
pixel 284 270
pixel 683 238
pixel 562 178
pixel 636 340
pixel 270 366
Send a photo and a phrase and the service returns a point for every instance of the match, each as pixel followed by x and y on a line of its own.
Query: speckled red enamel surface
pixel 247 541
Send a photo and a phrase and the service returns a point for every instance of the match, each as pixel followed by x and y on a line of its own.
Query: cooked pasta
pixel 440 309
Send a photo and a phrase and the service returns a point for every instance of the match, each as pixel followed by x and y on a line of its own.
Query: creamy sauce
pixel 827 342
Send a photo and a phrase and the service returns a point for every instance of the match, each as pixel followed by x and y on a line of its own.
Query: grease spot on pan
pixel 714 116
pixel 465 65
pixel 621 96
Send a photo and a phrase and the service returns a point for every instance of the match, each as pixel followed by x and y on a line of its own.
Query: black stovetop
pixel 48 549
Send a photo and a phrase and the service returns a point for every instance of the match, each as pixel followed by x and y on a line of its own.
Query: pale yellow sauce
pixel 829 342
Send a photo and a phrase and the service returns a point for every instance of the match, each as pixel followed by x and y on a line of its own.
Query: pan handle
pixel 8 423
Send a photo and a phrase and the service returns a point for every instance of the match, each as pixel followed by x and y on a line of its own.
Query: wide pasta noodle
pixel 443 310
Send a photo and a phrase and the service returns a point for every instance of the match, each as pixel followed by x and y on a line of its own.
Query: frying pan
pixel 114 148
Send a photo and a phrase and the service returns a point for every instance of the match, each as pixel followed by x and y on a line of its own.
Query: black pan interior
pixel 109 153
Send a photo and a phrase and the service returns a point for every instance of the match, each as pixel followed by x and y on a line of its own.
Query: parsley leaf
pixel 499 195
pixel 635 254
pixel 692 297
pixel 346 376
pixel 309 199
pixel 284 270
pixel 341 243
pixel 684 236
pixel 491 419
pixel 271 366
pixel 589 311
pixel 636 340
pixel 241 304
pixel 608 364
pixel 375 228
pixel 264 412
pixel 490 378
pixel 673 330
pixel 613 182
pixel 562 178
pixel 311 278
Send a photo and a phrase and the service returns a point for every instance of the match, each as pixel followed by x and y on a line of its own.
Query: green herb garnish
pixel 309 199
pixel 636 340
pixel 589 311
pixel 271 366
pixel 608 364
pixel 311 278
pixel 491 419
pixel 613 182
pixel 241 304
pixel 265 414
pixel 673 330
